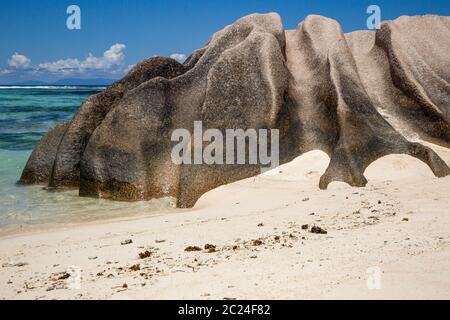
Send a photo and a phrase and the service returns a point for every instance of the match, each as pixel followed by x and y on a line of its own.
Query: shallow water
pixel 26 114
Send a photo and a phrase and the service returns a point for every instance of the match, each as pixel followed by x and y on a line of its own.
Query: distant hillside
pixel 84 82
pixel 29 83
pixel 68 82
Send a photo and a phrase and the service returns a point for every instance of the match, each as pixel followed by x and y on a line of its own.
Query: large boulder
pixel 357 96
pixel 40 164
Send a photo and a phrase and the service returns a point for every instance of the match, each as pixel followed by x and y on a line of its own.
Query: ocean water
pixel 26 114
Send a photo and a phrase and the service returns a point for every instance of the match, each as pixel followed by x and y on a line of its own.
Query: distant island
pixel 67 82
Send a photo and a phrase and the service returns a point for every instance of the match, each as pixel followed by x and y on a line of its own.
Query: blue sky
pixel 115 34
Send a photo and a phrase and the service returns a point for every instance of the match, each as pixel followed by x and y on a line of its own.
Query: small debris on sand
pixel 192 248
pixel 210 248
pixel 92 258
pixel 235 247
pixel 28 286
pixel 145 254
pixel 127 241
pixel 14 264
pixel 61 276
pixel 125 286
pixel 305 227
pixel 405 219
pixel 306 199
pixel 257 242
pixel 319 230
pixel 135 267
pixel 160 241
pixel 261 224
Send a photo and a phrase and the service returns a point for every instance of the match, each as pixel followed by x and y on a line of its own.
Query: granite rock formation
pixel 356 96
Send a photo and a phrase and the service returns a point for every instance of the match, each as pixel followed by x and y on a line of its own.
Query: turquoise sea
pixel 26 114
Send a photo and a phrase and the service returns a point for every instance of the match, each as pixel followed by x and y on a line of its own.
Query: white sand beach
pixel 398 223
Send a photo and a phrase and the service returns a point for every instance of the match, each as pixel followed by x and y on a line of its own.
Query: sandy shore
pixel 397 225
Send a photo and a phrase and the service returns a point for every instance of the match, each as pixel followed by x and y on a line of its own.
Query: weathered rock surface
pixel 356 96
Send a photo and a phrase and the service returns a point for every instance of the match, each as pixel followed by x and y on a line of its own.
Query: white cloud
pixel 19 61
pixel 131 66
pixel 66 65
pixel 112 58
pixel 179 57
pixel 4 72
pixel 110 64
